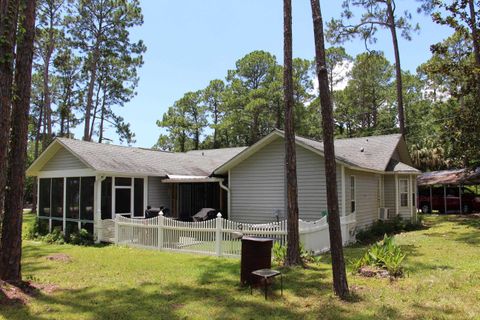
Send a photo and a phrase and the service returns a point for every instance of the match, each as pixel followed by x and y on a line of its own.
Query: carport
pixel 452 183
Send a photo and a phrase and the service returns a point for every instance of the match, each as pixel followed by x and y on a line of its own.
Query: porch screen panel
pixel 86 199
pixel 123 200
pixel 138 209
pixel 44 198
pixel 107 198
pixel 73 198
pixel 57 197
pixel 71 227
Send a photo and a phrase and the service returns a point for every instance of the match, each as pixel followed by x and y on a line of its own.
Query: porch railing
pixel 219 236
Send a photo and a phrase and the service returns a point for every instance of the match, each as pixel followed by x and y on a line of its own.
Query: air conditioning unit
pixel 384 214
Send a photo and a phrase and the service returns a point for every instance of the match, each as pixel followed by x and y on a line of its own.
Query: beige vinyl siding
pixel 159 194
pixel 63 160
pixel 312 192
pixel 366 196
pixel 257 185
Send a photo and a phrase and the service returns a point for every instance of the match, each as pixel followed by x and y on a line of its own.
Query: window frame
pixel 131 187
pixel 403 193
pixel 353 194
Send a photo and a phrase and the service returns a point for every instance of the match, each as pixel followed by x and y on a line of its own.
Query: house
pixel 85 184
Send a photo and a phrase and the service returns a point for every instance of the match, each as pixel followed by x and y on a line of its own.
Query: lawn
pixel 107 282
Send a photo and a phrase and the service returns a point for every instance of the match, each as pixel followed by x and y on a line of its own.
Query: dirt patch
pixel 370 272
pixel 21 293
pixel 61 257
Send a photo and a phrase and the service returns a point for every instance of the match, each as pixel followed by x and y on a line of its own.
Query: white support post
pixel 97 211
pixel 344 209
pixel 116 229
pixel 160 229
pixel 218 235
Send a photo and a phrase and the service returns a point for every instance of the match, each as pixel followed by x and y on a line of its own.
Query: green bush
pixel 280 254
pixel 385 255
pixel 38 229
pixel 56 236
pixel 81 237
pixel 379 228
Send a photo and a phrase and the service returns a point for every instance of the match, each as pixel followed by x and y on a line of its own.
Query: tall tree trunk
pixel 8 27
pixel 36 151
pixel 10 260
pixel 398 69
pixel 215 123
pixel 340 284
pixel 102 120
pixel 476 43
pixel 47 103
pixel 91 88
pixel 293 238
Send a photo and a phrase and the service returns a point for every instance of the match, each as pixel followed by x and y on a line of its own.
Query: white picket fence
pixel 219 236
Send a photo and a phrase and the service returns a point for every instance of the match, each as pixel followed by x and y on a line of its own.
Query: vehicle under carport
pixel 449 191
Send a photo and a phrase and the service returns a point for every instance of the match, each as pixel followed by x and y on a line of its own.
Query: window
pixel 353 194
pixel 403 189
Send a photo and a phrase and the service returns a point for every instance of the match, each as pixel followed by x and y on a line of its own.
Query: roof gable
pixel 113 159
pixel 369 153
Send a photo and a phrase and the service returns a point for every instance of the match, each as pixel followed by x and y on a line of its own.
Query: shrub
pixel 385 255
pixel 38 229
pixel 56 236
pixel 280 254
pixel 81 237
pixel 380 228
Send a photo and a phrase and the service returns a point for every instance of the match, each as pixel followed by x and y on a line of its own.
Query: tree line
pixel 63 63
pixel 438 99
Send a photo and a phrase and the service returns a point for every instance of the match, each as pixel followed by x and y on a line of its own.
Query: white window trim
pixel 353 196
pixel 400 192
pixel 132 195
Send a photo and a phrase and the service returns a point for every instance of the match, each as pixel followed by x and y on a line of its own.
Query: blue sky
pixel 191 42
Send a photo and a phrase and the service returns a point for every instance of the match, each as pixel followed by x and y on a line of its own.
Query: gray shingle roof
pixel 397 166
pixel 130 160
pixel 372 152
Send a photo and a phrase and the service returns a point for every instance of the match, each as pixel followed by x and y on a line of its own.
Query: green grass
pixel 107 282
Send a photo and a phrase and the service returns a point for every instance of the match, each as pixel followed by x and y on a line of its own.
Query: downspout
pixel 343 192
pixel 224 187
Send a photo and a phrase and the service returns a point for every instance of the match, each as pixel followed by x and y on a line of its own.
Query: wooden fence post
pixel 218 235
pixel 160 230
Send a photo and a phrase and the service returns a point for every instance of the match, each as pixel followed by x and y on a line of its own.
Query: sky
pixel 191 42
